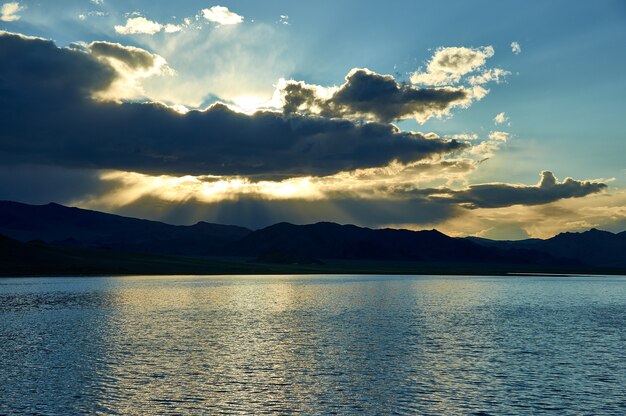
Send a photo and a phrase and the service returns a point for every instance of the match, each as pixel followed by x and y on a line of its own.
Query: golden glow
pixel 371 183
pixel 249 103
pixel 538 221
pixel 133 186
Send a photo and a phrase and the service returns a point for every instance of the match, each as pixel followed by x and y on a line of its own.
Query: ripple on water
pixel 313 345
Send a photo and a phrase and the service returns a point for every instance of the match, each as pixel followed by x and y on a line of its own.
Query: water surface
pixel 313 345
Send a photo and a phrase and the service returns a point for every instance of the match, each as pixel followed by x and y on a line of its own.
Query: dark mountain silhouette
pixel 54 239
pixel 594 247
pixel 326 240
pixel 73 227
pixel 37 258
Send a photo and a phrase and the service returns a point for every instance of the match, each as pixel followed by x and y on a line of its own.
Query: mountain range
pixel 53 239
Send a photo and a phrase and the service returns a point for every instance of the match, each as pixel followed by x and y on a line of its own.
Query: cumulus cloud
pixel 368 95
pixel 221 15
pixel 448 65
pixel 8 11
pixel 139 25
pixel 516 48
pixel 500 118
pixel 495 195
pixel 59 122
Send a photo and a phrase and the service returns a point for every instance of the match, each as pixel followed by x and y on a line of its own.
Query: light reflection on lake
pixel 313 344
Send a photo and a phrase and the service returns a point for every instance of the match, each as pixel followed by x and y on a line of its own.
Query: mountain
pixel 37 258
pixel 73 227
pixel 52 238
pixel 593 247
pixel 326 240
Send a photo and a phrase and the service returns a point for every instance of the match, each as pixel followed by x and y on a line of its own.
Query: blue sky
pixel 563 97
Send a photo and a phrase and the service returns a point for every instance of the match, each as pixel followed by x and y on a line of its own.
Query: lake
pixel 313 345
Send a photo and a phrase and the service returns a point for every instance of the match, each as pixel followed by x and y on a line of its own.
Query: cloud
pixel 51 118
pixel 605 210
pixel 487 148
pixel 172 28
pixel 131 64
pixel 501 136
pixel 8 11
pixel 376 204
pixel 132 57
pixel 368 95
pixel 93 13
pixel 221 15
pixel 490 75
pixel 218 62
pixel 500 118
pixel 496 195
pixel 516 48
pixel 139 25
pixel 448 65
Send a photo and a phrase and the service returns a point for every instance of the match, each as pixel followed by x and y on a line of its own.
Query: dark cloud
pixel 503 195
pixel 49 117
pixel 134 58
pixel 34 70
pixel 366 94
pixel 38 184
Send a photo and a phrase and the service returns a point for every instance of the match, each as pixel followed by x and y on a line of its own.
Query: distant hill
pixel 52 238
pixel 326 240
pixel 37 258
pixel 594 247
pixel 73 227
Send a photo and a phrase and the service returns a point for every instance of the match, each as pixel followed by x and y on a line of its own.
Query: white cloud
pixel 8 11
pixel 488 148
pixel 93 13
pixel 499 135
pixel 516 48
pixel 172 28
pixel 140 24
pixel 490 75
pixel 448 65
pixel 221 15
pixel 97 1
pixel 465 136
pixel 500 118
pixel 284 19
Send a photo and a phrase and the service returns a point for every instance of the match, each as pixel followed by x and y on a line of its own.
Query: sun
pixel 249 103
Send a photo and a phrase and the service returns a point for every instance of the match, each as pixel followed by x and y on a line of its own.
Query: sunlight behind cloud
pixel 249 103
pixel 220 65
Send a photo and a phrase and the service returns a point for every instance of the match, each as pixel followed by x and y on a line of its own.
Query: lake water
pixel 313 345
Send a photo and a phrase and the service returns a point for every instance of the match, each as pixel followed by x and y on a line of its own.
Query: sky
pixel 498 119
